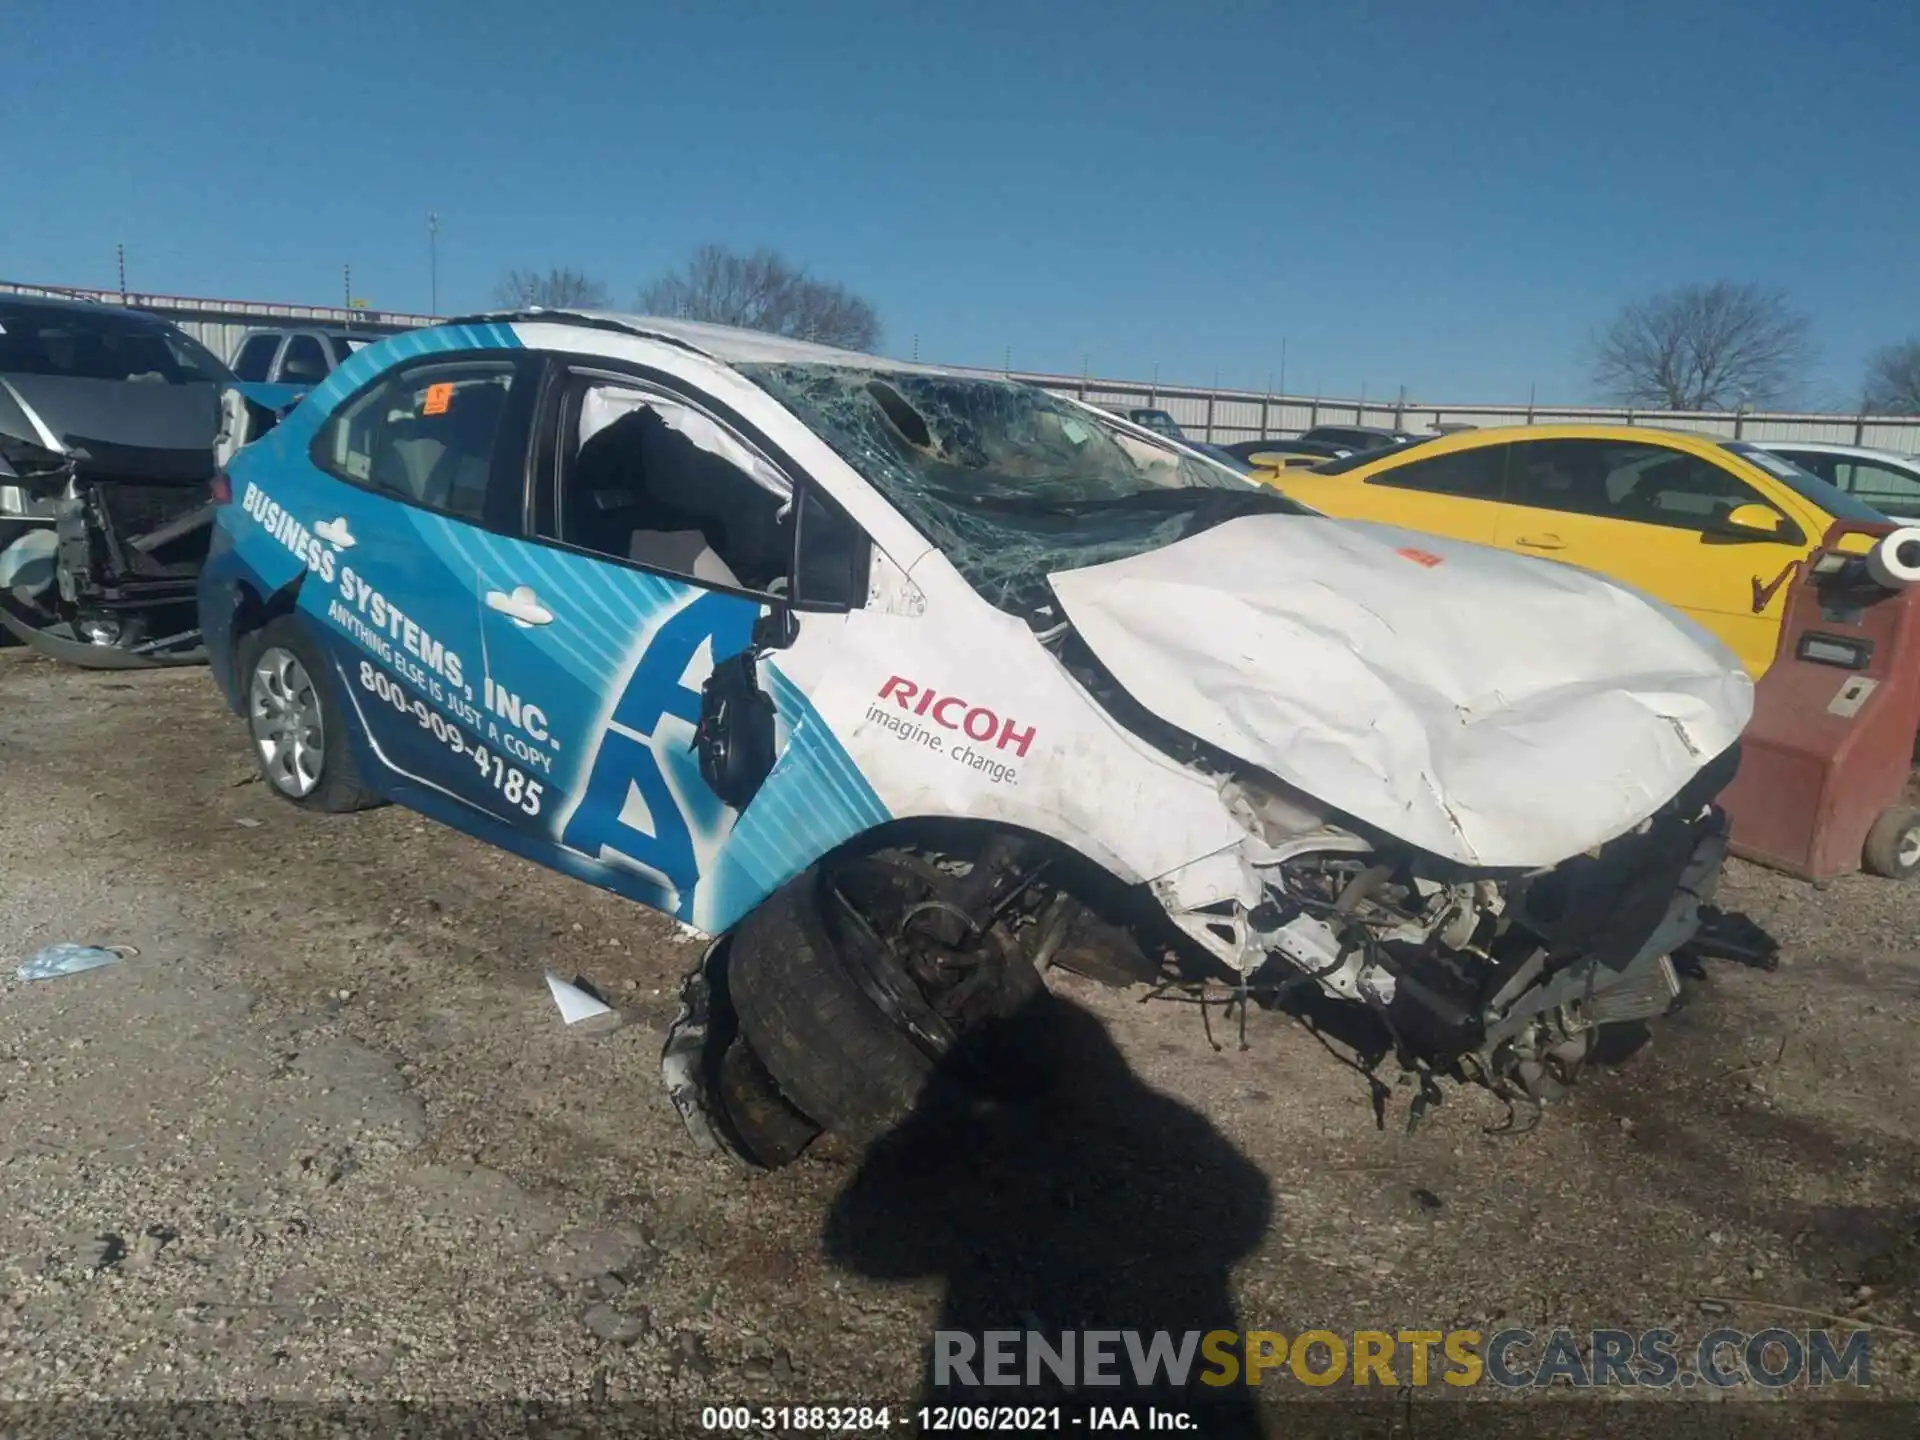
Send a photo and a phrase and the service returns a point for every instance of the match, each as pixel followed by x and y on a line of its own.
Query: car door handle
pixel 1541 542
pixel 521 606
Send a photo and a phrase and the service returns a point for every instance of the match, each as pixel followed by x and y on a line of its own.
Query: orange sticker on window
pixel 438 398
pixel 1419 557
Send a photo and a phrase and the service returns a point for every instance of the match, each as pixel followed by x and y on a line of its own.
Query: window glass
pixel 1813 462
pixel 1875 483
pixel 832 567
pixel 657 482
pixel 1804 483
pixel 345 345
pixel 305 363
pixel 426 436
pixel 83 343
pixel 1648 484
pixel 255 360
pixel 1478 474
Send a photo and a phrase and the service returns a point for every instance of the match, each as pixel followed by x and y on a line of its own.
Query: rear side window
pixel 1880 485
pixel 305 363
pixel 429 436
pixel 255 360
pixel 1470 474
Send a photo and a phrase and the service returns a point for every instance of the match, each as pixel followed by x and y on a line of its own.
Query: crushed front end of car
pixel 1462 798
pixel 104 550
pixel 1508 975
pixel 112 427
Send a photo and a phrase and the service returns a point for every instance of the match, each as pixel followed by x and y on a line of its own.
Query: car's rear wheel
pixel 295 721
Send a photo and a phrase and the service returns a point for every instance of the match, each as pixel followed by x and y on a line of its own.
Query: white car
pixel 907 683
pixel 1887 481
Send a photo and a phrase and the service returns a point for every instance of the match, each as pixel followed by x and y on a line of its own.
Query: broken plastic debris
pixel 67 958
pixel 578 1007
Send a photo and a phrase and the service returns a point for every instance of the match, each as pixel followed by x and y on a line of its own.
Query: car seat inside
pixel 643 489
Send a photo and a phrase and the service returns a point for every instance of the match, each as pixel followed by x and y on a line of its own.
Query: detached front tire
pixel 832 1050
pixel 297 721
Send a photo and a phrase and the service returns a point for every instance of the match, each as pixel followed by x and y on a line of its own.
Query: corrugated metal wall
pixel 1219 416
pixel 1225 416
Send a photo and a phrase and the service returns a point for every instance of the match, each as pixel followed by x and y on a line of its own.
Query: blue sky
pixel 1446 197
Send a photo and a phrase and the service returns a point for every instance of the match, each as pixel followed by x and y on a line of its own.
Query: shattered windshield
pixel 1009 481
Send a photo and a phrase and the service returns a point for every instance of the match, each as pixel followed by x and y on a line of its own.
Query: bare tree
pixel 1704 347
pixel 762 291
pixel 562 287
pixel 1893 380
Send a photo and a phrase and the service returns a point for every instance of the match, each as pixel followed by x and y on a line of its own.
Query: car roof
pixel 1834 447
pixel 61 304
pixel 727 344
pixel 292 327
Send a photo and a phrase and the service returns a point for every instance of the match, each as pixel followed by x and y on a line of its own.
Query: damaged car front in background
pixel 1467 792
pixel 109 424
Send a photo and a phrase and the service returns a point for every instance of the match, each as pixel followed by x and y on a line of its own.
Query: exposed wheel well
pixel 251 609
pixel 1059 906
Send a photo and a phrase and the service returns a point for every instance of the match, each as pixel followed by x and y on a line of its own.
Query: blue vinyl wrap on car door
pixel 589 676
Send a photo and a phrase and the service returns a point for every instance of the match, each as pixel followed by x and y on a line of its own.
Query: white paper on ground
pixel 1490 708
pixel 575 1004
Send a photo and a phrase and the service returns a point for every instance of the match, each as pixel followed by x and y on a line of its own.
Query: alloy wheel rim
pixel 284 712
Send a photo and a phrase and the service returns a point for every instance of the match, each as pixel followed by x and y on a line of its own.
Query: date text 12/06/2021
pixel 942 1419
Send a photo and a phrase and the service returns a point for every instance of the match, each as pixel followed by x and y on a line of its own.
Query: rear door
pixel 1640 511
pixel 425 470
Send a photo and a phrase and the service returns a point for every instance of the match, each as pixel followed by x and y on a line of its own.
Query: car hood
pixel 119 413
pixel 1493 709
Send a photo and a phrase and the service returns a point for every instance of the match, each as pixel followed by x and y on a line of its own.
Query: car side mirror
pixel 1750 522
pixel 777 628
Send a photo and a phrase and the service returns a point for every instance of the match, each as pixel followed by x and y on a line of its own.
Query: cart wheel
pixel 1893 845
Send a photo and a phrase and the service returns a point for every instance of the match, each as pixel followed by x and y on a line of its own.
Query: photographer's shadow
pixel 1098 1205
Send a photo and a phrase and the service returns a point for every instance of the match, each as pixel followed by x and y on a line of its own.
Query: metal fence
pixel 1222 417
pixel 1218 416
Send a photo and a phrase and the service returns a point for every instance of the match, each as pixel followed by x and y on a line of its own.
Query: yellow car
pixel 1713 527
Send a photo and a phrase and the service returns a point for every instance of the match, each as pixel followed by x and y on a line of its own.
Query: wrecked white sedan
pixel 911 683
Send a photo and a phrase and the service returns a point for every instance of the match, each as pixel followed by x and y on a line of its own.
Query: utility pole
pixel 120 253
pixel 916 348
pixel 433 263
pixel 1283 367
pixel 346 285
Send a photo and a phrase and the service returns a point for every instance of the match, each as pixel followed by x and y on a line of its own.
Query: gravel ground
pixel 323 1137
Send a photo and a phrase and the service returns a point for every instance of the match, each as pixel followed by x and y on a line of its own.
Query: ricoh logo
pixel 916 713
